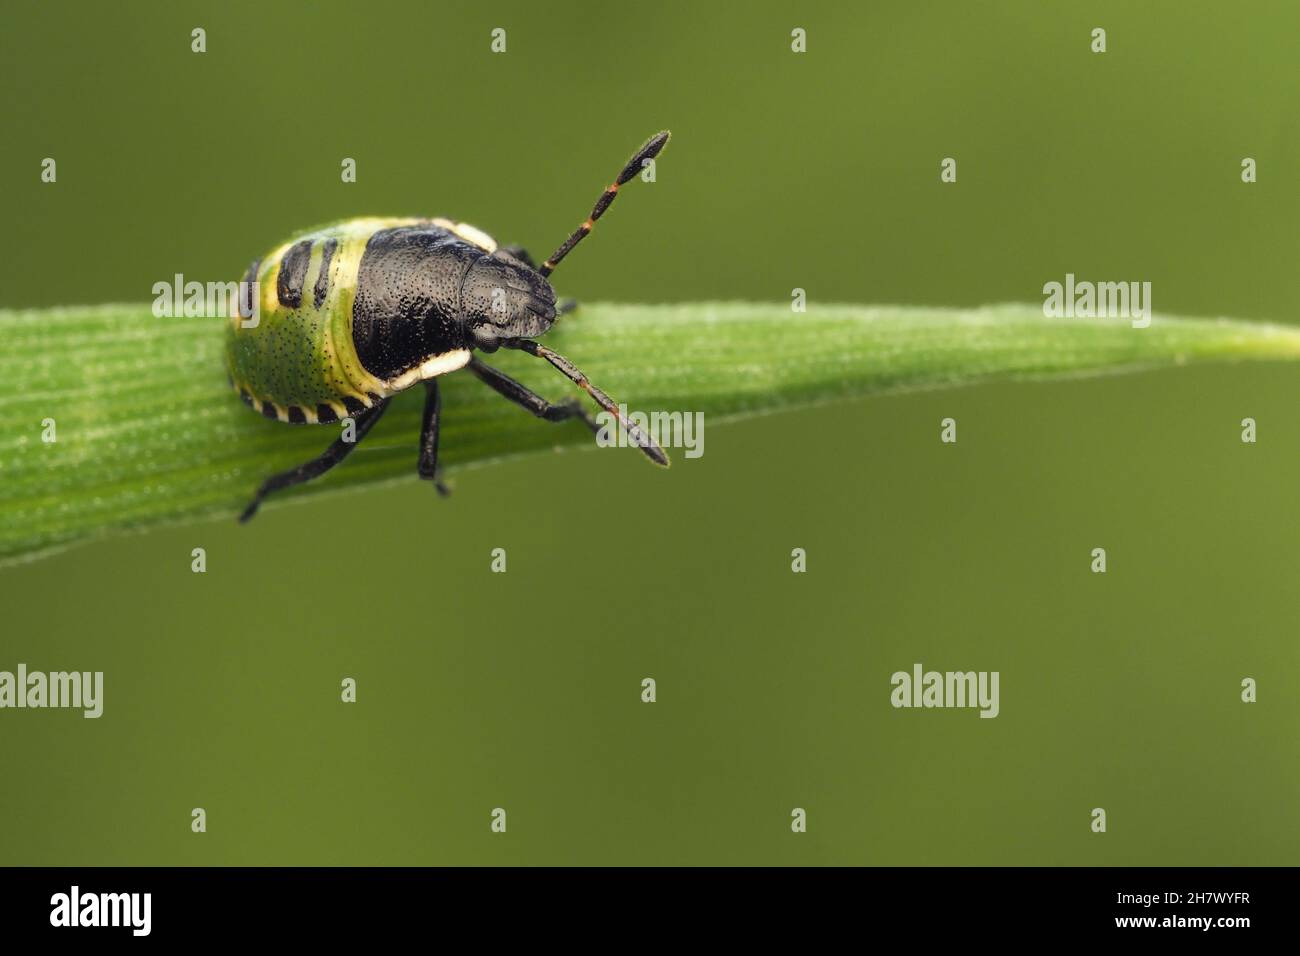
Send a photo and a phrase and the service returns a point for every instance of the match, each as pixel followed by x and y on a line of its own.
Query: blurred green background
pixel 522 690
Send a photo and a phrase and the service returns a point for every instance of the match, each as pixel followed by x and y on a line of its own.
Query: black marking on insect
pixel 293 273
pixel 425 295
pixel 246 289
pixel 323 280
pixel 392 285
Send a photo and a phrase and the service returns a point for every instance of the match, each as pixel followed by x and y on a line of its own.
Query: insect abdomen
pixel 297 362
pixel 332 334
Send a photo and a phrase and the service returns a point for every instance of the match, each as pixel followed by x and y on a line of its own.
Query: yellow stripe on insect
pixel 473 234
pixel 438 365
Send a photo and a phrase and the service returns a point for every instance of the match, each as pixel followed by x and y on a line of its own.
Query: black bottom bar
pixel 239 904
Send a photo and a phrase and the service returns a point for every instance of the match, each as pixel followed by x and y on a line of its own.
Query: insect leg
pixel 332 455
pixel 428 467
pixel 575 375
pixel 529 400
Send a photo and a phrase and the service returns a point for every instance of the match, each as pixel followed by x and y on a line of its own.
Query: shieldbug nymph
pixel 353 313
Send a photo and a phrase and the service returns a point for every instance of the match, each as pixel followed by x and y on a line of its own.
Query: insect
pixel 349 315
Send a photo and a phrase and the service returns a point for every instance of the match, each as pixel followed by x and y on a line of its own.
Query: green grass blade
pixel 148 431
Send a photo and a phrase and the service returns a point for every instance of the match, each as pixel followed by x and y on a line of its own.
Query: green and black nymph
pixel 349 315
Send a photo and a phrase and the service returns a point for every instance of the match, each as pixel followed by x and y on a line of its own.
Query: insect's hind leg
pixel 527 399
pixel 332 455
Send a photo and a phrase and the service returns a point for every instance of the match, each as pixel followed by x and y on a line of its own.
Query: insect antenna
pixel 650 150
pixel 634 432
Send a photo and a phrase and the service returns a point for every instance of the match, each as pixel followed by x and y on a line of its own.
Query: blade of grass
pixel 148 431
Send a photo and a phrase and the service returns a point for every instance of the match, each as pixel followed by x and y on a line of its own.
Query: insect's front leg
pixel 428 467
pixel 574 374
pixel 526 398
